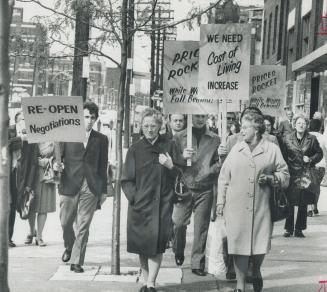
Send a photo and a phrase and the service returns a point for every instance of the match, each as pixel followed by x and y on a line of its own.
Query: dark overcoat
pixel 149 188
pixel 293 152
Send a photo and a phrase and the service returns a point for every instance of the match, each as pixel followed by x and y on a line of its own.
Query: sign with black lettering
pixel 180 80
pixel 224 65
pixel 54 118
pixel 267 88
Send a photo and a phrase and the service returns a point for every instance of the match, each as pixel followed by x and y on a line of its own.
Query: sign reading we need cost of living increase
pixel 224 65
pixel 267 88
pixel 54 118
pixel 180 80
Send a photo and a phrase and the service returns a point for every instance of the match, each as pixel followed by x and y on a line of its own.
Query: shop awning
pixel 313 62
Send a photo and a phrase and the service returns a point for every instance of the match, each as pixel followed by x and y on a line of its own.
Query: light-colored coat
pixel 247 212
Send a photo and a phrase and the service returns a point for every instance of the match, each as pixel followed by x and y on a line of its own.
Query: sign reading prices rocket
pixel 224 65
pixel 180 79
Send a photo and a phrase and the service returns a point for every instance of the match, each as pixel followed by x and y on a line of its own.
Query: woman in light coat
pixel 244 189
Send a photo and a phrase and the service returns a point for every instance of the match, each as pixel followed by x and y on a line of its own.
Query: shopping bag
pixel 214 249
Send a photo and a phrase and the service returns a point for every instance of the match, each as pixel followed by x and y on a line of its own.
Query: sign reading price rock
pixel 55 118
pixel 224 65
pixel 180 90
pixel 267 88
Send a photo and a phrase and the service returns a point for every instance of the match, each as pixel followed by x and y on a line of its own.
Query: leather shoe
pixel 288 234
pixel 299 233
pixel 230 276
pixel 66 255
pixel 198 272
pixel 143 289
pixel 11 244
pixel 76 268
pixel 179 259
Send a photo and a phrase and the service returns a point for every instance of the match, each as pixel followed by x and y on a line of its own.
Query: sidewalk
pixel 292 265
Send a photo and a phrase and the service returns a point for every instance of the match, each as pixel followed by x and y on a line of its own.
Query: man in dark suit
pixel 83 187
pixel 285 127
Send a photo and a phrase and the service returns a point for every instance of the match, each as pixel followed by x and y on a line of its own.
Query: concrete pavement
pixel 292 265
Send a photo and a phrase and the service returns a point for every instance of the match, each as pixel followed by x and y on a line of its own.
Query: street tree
pixel 5 19
pixel 113 26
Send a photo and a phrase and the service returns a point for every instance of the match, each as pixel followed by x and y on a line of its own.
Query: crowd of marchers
pixel 165 181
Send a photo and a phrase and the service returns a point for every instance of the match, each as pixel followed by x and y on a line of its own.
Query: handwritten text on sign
pixel 180 91
pixel 267 88
pixel 224 61
pixel 54 118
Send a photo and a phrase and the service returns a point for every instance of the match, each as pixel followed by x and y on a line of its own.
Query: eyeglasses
pixel 152 127
pixel 230 119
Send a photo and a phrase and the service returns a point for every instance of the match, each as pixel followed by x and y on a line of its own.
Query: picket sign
pixel 189 137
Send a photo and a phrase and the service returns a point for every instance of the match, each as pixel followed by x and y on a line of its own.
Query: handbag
pixel 279 206
pixel 50 176
pixel 308 180
pixel 25 203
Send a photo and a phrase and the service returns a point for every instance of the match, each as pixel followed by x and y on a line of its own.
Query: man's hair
pixel 184 116
pixel 92 107
pixel 151 112
pixel 257 121
pixel 251 109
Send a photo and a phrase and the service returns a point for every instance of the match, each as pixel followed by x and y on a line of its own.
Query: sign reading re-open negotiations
pixel 224 65
pixel 54 118
pixel 267 88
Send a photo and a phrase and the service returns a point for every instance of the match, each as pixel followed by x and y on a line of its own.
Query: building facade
pixel 29 54
pixel 295 35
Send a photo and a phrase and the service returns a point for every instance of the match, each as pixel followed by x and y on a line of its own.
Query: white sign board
pixel 267 88
pixel 55 118
pixel 180 80
pixel 224 65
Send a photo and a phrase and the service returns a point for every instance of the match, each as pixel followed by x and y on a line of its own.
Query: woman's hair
pixel 300 116
pixel 250 109
pixel 257 120
pixel 151 112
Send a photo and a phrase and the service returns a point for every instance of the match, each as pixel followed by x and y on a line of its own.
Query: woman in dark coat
pixel 301 152
pixel 148 181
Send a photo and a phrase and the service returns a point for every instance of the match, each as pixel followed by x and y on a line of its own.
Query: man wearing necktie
pixel 83 187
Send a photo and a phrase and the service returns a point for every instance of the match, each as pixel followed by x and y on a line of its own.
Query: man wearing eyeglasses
pixel 83 187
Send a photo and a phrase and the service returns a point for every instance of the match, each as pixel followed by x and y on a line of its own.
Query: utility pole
pixel 153 43
pixel 129 79
pixel 82 32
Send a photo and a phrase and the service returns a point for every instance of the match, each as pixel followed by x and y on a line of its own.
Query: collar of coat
pixel 262 147
pixel 306 138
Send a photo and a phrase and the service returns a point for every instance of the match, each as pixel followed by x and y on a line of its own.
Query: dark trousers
pixel 13 204
pixel 200 203
pixel 301 220
pixel 228 259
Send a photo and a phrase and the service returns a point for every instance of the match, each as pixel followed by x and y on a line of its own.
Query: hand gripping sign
pixel 54 118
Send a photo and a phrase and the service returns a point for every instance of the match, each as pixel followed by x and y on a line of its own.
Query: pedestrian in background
pixel 314 128
pixel 83 187
pixel 27 173
pixel 177 123
pixel 245 185
pixel 45 194
pixel 148 183
pixel 286 126
pixel 199 180
pixel 302 152
pixel 15 152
